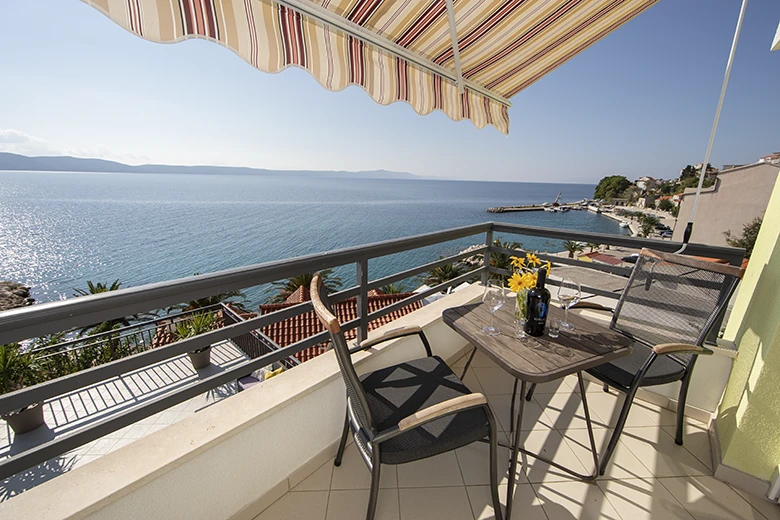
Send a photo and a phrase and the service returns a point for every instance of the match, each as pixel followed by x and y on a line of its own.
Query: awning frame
pixel 332 19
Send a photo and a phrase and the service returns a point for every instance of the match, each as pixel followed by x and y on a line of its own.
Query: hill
pixel 65 163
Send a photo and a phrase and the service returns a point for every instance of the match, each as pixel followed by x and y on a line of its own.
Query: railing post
pixel 362 299
pixel 486 256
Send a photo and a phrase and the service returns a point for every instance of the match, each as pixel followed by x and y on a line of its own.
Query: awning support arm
pixel 334 20
pixel 689 225
pixel 454 37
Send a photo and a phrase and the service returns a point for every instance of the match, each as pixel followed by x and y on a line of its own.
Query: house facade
pixel 738 196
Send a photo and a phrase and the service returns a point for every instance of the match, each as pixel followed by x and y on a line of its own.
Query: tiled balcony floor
pixel 649 476
pixel 77 409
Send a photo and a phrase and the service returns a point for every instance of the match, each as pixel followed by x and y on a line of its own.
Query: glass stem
pixel 566 314
pixel 492 315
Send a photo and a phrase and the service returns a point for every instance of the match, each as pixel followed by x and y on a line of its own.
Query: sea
pixel 60 230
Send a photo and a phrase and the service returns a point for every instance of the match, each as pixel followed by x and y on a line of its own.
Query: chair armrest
pixel 394 334
pixel 590 306
pixel 436 411
pixel 675 348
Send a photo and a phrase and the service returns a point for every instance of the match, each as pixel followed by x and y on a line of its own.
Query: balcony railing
pixel 39 320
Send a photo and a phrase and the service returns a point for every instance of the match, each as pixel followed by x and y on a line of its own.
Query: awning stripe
pixel 396 50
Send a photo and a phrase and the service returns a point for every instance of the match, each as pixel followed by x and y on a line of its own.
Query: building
pixel 300 327
pixel 648 201
pixel 738 196
pixel 771 158
pixel 646 183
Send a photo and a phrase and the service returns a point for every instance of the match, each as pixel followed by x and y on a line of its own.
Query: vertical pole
pixel 486 256
pixel 362 299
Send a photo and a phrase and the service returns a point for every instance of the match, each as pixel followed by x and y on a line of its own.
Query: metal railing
pixel 39 320
pixel 254 343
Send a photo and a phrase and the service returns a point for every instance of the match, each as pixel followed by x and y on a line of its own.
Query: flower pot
pixel 26 419
pixel 200 359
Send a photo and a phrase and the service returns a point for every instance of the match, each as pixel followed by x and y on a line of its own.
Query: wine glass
pixel 569 294
pixel 494 298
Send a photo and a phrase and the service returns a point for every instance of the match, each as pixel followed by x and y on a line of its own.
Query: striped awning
pixel 396 50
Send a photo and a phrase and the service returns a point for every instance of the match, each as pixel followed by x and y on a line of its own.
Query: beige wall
pixel 739 196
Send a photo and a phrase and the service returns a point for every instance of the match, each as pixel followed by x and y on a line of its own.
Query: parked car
pixel 631 259
pixel 666 233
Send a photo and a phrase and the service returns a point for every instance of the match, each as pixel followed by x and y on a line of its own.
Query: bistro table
pixel 538 360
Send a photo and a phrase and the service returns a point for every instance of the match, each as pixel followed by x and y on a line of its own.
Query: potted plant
pixel 17 370
pixel 197 324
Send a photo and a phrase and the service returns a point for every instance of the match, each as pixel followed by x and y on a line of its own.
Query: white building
pixel 646 183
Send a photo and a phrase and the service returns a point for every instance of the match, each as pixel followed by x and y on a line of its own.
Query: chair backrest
pixel 673 298
pixel 357 402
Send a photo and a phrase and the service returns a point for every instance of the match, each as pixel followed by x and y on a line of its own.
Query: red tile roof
pixel 304 325
pixel 604 259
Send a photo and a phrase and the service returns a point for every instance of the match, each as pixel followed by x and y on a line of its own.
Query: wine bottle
pixel 538 303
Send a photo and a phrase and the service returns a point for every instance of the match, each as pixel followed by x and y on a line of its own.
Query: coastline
pixel 632 226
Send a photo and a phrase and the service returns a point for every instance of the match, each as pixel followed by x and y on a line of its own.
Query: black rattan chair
pixel 668 307
pixel 408 411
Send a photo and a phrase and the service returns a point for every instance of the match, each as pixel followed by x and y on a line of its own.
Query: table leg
pixel 468 362
pixel 515 449
pixel 515 435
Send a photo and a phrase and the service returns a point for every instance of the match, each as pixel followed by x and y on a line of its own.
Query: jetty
pixel 555 207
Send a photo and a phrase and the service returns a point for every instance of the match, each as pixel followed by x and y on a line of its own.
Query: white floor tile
pixel 622 464
pixel 771 510
pixel 301 505
pixel 696 440
pixel 319 480
pixel 474 462
pixel 565 411
pixel 534 417
pixel 636 499
pixel 551 445
pixel 707 498
pixel 354 474
pixel 658 452
pixel 525 505
pixel 445 503
pixel 352 504
pixel 494 380
pixel 569 500
pixel 439 471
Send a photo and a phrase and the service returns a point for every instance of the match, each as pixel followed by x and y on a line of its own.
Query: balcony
pixel 267 452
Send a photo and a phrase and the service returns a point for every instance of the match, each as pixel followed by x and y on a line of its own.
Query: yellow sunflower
pixel 533 259
pixel 517 262
pixel 515 282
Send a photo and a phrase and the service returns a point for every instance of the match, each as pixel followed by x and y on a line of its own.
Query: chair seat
pixel 663 370
pixel 400 390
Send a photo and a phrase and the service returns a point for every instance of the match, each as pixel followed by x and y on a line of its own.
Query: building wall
pixel 748 420
pixel 739 196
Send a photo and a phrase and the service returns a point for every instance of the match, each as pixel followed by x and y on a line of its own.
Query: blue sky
pixel 639 102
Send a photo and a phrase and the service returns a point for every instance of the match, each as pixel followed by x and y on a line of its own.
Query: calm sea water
pixel 58 230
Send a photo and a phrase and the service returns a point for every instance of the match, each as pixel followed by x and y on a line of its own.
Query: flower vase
pixel 521 309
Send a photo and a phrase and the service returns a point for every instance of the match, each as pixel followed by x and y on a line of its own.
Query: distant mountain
pixel 65 163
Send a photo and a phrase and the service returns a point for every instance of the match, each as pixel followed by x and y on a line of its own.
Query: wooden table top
pixel 538 359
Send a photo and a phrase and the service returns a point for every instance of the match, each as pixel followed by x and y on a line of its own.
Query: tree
pixel 573 247
pixel 393 288
pixel 445 273
pixel 665 205
pixel 748 238
pixel 208 301
pixel 592 246
pixel 675 211
pixel 502 260
pixel 286 287
pixel 611 187
pixel 688 172
pixel 98 288
pixel 646 228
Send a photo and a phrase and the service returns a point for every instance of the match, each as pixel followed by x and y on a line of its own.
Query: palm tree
pixel 393 288
pixel 592 246
pixel 286 287
pixel 208 301
pixel 98 288
pixel 445 273
pixel 502 260
pixel 572 247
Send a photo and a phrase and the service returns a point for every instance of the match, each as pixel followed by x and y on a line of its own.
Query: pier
pixel 537 207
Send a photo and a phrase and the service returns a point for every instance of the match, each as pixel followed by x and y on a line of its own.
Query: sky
pixel 639 102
